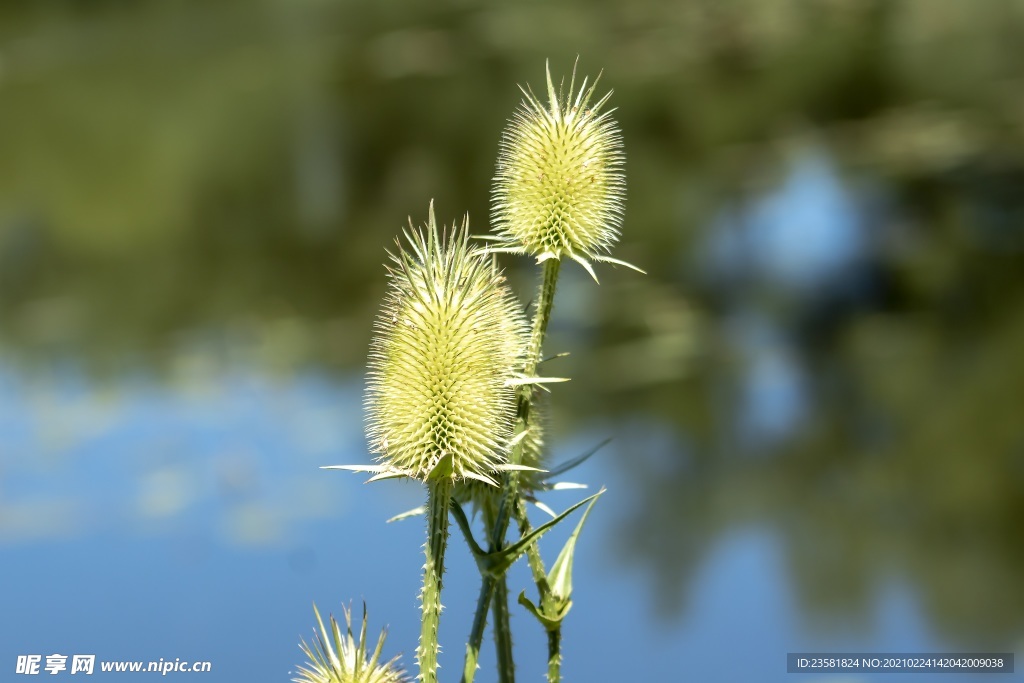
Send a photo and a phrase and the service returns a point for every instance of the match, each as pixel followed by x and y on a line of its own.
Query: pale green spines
pixel 449 338
pixel 481 495
pixel 559 188
pixel 340 658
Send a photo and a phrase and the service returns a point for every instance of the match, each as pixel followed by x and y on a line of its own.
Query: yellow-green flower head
pixel 531 479
pixel 448 341
pixel 559 189
pixel 340 658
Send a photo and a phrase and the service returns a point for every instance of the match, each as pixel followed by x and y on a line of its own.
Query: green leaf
pixel 498 562
pixel 564 467
pixel 550 623
pixel 560 576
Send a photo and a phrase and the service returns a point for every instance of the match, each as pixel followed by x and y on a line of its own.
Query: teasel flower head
pixel 449 341
pixel 532 478
pixel 335 657
pixel 559 190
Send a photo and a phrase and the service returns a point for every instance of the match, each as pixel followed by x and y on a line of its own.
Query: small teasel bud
pixel 337 657
pixel 559 188
pixel 448 341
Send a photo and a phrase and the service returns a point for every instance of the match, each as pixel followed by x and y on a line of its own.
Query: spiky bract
pixel 338 658
pixel 559 189
pixel 450 337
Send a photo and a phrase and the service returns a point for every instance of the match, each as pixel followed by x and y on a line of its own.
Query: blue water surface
pixel 189 519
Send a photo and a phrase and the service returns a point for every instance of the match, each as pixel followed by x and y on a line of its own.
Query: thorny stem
pixel 510 488
pixel 503 632
pixel 476 633
pixel 545 301
pixel 543 315
pixel 499 608
pixel 544 590
pixel 439 494
pixel 540 575
pixel 555 655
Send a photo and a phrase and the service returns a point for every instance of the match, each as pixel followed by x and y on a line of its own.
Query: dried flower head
pixel 449 340
pixel 337 658
pixel 559 189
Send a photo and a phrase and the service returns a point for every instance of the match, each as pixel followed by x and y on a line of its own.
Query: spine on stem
pixel 555 655
pixel 438 499
pixel 503 633
pixel 476 634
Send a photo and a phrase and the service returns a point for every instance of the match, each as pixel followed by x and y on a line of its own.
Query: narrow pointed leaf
pixel 564 467
pixel 560 576
pixel 567 486
pixel 387 475
pixel 415 512
pixel 586 265
pixel 509 467
pixel 520 381
pixel 498 562
pixel 378 469
pixel 617 262
pixel 545 509
pixel 481 478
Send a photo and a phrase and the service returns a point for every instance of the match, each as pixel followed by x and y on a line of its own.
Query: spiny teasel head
pixel 335 657
pixel 559 188
pixel 481 496
pixel 448 342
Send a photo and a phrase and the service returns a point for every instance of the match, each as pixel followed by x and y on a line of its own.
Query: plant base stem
pixel 498 527
pixel 555 656
pixel 476 633
pixel 544 590
pixel 439 496
pixel 503 633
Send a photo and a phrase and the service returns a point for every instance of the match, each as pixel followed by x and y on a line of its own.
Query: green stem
pixel 544 590
pixel 476 633
pixel 541 317
pixel 540 574
pixel 439 495
pixel 510 488
pixel 545 301
pixel 499 609
pixel 503 632
pixel 555 655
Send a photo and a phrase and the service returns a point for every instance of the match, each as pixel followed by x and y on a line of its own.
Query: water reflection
pixel 868 409
pixel 135 458
pixel 814 395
